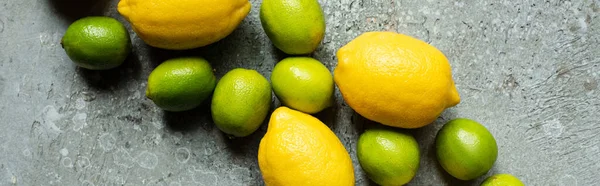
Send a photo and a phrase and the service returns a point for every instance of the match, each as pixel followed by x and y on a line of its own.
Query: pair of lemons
pixel 397 81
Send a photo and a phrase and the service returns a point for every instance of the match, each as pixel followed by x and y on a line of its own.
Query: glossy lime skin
pixel 97 43
pixel 181 84
pixel 241 102
pixel 303 83
pixel 466 149
pixel 388 156
pixel 294 26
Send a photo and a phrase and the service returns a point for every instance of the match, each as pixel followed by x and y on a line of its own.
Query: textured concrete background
pixel 528 70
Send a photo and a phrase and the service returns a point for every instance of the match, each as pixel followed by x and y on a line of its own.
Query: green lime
pixel 97 43
pixel 241 102
pixel 181 84
pixel 466 149
pixel 502 180
pixel 303 83
pixel 388 156
pixel 294 26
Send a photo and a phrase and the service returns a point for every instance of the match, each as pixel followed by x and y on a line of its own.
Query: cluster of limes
pixel 390 78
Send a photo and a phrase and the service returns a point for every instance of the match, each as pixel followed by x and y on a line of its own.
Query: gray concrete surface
pixel 528 70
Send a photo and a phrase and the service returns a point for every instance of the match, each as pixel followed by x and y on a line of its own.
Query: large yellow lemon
pixel 183 24
pixel 395 79
pixel 298 149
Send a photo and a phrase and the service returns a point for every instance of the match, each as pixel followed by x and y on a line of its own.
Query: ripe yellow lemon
pixel 183 24
pixel 395 79
pixel 298 149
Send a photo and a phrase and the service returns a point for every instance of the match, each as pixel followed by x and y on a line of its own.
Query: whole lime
pixel 466 149
pixel 303 83
pixel 97 43
pixel 502 180
pixel 241 102
pixel 181 84
pixel 294 26
pixel 388 156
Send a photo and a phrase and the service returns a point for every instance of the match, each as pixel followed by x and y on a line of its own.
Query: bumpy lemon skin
pixel 395 79
pixel 300 150
pixel 183 24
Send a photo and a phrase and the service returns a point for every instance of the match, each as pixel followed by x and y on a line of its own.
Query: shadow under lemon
pixel 223 55
pixel 72 10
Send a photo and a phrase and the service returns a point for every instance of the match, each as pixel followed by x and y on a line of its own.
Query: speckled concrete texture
pixel 528 70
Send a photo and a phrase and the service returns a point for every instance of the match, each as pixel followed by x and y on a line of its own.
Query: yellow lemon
pixel 298 149
pixel 183 24
pixel 395 79
pixel 502 180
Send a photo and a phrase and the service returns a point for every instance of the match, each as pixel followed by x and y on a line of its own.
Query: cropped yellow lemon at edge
pixel 183 24
pixel 298 149
pixel 395 79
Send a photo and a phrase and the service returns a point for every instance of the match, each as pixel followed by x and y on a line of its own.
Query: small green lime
pixel 181 84
pixel 97 43
pixel 466 149
pixel 303 83
pixel 502 180
pixel 294 26
pixel 241 102
pixel 388 156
